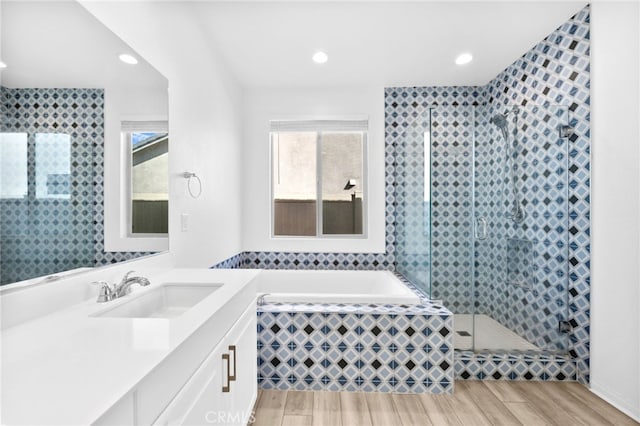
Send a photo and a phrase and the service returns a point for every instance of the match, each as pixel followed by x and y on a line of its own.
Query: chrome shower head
pixel 499 120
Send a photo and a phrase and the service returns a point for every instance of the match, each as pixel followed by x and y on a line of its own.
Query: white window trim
pixel 346 125
pixel 116 194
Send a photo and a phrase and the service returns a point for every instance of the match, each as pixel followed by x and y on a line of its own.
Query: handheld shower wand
pixel 517 213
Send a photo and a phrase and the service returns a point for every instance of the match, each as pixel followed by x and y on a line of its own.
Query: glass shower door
pixel 520 211
pixel 46 205
pixel 413 228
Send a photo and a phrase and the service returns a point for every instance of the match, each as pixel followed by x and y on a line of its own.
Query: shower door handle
pixel 481 228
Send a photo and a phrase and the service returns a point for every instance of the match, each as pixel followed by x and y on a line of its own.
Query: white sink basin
pixel 169 300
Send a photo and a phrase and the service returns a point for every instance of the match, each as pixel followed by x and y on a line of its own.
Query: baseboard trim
pixel 614 399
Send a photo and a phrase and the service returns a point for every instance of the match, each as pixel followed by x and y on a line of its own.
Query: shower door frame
pixel 557 301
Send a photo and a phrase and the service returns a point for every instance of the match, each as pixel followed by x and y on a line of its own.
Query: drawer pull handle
pixel 225 389
pixel 232 377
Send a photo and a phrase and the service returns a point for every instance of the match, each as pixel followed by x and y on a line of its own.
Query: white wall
pixel 263 105
pixel 615 282
pixel 204 124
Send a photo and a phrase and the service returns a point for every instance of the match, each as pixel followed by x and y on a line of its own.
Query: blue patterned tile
pixel 78 113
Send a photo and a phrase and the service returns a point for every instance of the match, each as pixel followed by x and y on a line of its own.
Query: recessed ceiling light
pixel 2 65
pixel 464 58
pixel 320 57
pixel 128 59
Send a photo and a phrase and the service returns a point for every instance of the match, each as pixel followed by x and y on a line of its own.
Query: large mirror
pixel 68 103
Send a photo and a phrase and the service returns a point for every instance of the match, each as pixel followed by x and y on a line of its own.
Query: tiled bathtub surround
pixel 371 348
pixel 43 236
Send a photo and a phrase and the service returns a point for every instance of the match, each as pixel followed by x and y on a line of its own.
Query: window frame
pixel 127 129
pixel 319 201
pixel 24 193
pixel 114 202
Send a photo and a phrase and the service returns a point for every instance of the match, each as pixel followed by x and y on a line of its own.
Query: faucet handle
pixel 106 291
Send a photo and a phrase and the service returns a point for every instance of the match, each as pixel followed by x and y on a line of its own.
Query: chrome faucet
pixel 261 300
pixel 106 291
pixel 109 292
pixel 124 287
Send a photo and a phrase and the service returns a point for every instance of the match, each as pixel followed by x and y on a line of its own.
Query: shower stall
pixel 482 221
pixel 47 179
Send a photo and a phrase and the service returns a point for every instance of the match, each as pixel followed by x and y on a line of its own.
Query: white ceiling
pixel 270 44
pixel 59 44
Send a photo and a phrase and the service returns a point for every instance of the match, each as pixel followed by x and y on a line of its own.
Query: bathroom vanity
pixel 179 351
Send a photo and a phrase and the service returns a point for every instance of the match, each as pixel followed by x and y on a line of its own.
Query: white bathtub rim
pixel 371 287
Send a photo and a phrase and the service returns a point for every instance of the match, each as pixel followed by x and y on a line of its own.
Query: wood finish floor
pixel 474 403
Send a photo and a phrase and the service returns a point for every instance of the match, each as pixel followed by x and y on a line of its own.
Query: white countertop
pixel 69 368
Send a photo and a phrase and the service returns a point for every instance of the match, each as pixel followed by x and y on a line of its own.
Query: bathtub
pixel 346 287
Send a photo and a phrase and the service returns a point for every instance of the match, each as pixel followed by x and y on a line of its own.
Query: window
pixel 53 166
pixel 318 174
pixel 52 171
pixel 13 165
pixel 147 149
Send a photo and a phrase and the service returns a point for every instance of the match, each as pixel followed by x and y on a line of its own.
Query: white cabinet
pixel 121 413
pixel 197 385
pixel 224 387
pixel 244 386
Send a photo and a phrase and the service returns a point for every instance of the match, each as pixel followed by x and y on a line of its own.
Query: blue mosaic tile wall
pixel 540 158
pixel 557 72
pixel 412 225
pixel 549 83
pixel 350 261
pixel 492 184
pixel 234 262
pixel 44 236
pixel 413 115
pixel 526 286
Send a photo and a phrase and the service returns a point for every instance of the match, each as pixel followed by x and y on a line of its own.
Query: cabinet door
pixel 223 389
pixel 200 400
pixel 211 404
pixel 245 386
